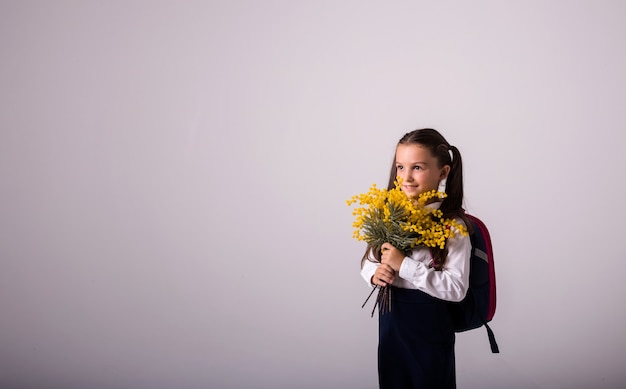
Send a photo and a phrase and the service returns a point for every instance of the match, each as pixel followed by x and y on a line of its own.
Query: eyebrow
pixel 412 163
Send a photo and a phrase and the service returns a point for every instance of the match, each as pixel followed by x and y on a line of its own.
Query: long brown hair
pixel 452 205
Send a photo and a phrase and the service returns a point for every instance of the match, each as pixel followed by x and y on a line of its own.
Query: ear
pixel 445 170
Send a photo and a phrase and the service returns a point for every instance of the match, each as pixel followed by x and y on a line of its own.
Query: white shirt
pixel 449 284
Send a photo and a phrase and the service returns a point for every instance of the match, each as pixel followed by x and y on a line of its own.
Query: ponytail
pixel 452 205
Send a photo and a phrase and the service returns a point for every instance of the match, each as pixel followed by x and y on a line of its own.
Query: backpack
pixel 479 305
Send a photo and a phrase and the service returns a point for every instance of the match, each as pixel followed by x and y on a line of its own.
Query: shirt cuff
pixel 409 268
pixel 368 272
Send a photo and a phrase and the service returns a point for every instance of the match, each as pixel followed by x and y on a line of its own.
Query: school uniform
pixel 416 338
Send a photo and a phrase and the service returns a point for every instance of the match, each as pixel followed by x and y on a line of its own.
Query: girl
pixel 416 338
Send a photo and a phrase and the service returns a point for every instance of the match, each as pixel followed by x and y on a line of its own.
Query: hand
pixel 384 275
pixel 391 256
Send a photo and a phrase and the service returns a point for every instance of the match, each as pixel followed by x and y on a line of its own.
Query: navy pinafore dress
pixel 416 343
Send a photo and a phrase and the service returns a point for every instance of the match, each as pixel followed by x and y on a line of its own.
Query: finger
pixel 386 277
pixel 386 268
pixel 380 276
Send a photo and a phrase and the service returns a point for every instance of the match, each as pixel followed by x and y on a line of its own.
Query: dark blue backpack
pixel 479 305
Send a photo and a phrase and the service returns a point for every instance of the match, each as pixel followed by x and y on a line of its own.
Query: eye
pixel 416 167
pixel 399 167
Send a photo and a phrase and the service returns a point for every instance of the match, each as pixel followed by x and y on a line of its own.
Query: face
pixel 418 169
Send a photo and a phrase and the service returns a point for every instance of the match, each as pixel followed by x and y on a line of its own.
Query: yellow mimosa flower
pixel 390 216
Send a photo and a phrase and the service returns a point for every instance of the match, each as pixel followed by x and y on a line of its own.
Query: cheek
pixel 431 182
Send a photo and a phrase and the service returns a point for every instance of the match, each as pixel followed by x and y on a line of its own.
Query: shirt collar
pixel 434 205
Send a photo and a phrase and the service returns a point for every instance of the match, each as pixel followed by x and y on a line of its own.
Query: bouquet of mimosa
pixel 391 216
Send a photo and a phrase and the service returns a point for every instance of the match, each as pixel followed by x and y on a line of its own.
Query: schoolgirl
pixel 416 338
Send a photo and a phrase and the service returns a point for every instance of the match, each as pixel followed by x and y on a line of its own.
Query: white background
pixel 173 177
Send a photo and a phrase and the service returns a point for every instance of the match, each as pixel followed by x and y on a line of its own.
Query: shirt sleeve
pixel 451 282
pixel 368 270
